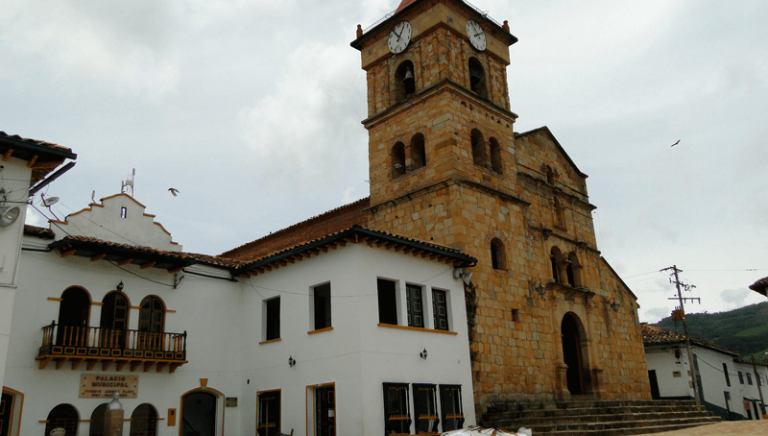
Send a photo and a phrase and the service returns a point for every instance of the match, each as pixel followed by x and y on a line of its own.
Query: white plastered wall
pixel 224 327
pixel 15 186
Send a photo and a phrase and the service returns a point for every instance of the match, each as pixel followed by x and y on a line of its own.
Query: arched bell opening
pixel 398 160
pixel 477 80
pixel 405 81
pixel 497 166
pixel 418 152
pixel 479 146
pixel 575 354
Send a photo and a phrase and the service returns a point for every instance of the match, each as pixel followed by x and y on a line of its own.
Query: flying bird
pixel 678 141
pixel 174 191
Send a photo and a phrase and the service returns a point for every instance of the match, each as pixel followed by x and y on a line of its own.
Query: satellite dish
pixel 50 201
pixel 9 215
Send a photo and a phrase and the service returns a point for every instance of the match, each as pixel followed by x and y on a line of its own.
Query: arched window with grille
pixel 144 420
pixel 63 416
pixel 418 152
pixel 498 256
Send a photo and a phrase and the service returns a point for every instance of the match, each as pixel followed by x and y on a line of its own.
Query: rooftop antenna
pixel 128 183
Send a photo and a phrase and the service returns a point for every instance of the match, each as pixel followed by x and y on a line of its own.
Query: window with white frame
pixel 272 319
pixel 387 292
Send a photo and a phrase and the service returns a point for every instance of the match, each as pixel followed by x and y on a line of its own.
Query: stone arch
pixel 478 82
pixel 496 163
pixel 418 152
pixel 498 255
pixel 405 81
pixel 575 354
pixel 398 160
pixel 556 264
pixel 573 270
pixel 479 146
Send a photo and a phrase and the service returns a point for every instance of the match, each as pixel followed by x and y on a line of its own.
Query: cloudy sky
pixel 252 110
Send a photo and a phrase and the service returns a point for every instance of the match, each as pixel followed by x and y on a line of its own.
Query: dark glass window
pixel 440 309
pixel 749 378
pixel 269 414
pixel 741 378
pixel 322 306
pixel 151 315
pixel 425 408
pixel 453 412
pixel 273 318
pixel 397 418
pixel 415 305
pixel 96 427
pixel 387 301
pixel 725 371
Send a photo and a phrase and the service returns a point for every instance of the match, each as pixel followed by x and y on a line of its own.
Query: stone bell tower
pixel 549 318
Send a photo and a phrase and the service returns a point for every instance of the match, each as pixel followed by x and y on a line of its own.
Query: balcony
pixel 93 345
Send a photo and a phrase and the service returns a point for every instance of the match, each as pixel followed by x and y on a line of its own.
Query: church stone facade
pixel 549 319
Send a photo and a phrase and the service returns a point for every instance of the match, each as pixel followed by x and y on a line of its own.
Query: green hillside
pixel 742 330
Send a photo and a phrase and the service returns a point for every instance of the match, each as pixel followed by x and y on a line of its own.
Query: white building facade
pixel 728 386
pixel 359 332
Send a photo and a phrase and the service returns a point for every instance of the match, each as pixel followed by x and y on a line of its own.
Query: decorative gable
pixel 120 219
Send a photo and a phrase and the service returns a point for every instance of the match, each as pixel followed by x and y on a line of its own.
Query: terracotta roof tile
pixel 35 142
pixel 40 232
pixel 654 335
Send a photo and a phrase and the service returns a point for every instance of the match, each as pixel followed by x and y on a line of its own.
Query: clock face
pixel 399 37
pixel 476 35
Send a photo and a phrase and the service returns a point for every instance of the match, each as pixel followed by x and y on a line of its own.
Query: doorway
pixel 114 320
pixel 573 355
pixel 6 411
pixel 73 318
pixel 321 410
pixel 654 384
pixel 198 414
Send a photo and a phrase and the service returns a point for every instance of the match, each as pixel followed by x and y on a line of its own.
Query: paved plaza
pixel 745 428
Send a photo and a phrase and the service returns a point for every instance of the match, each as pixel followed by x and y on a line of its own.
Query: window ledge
pixel 326 329
pixel 418 329
pixel 270 341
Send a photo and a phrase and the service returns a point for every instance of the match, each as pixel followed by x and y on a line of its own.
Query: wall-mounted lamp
pixel 291 362
pixel 538 287
pixel 423 354
pixel 615 306
pixel 459 273
pixel 9 215
pixel 120 286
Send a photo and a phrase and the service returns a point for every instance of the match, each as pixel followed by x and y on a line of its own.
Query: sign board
pixel 104 385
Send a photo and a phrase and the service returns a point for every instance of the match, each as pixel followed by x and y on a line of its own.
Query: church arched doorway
pixel 573 354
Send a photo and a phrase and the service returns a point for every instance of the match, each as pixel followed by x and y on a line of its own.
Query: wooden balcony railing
pixel 101 345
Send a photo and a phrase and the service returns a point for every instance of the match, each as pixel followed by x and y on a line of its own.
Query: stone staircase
pixel 602 418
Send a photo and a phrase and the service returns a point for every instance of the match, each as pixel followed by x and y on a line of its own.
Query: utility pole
pixel 680 298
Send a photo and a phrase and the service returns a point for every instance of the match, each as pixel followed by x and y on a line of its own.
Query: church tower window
pixel 496 164
pixel 405 81
pixel 398 160
pixel 574 271
pixel 559 214
pixel 555 259
pixel 418 152
pixel 479 154
pixel 498 257
pixel 477 80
